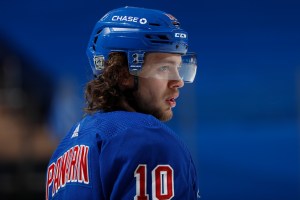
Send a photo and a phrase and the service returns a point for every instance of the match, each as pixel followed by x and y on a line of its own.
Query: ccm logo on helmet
pixel 129 19
pixel 180 35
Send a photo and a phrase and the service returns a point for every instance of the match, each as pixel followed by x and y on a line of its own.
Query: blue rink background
pixel 240 118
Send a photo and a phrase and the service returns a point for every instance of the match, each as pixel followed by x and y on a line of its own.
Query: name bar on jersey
pixel 72 166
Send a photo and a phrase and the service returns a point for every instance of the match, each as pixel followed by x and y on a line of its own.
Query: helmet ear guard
pixel 135 61
pixel 136 31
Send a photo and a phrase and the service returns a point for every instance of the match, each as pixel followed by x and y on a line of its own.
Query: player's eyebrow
pixel 167 62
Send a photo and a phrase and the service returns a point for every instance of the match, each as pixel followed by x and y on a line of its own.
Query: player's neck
pixel 126 106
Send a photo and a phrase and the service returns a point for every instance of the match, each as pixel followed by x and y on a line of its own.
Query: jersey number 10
pixel 162 182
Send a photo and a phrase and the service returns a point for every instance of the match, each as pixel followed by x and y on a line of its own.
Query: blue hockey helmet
pixel 137 31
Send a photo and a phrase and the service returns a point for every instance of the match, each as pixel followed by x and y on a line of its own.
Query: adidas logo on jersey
pixel 75 133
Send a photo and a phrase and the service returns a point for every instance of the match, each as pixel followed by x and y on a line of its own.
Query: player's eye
pixel 164 68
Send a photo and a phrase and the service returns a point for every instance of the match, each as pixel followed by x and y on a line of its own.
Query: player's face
pixel 157 94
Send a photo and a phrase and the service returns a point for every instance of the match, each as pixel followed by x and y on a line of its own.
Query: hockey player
pixel 121 150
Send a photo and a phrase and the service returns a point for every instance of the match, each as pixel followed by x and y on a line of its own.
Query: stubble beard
pixel 146 106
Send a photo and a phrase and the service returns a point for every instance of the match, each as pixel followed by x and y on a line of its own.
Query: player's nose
pixel 176 83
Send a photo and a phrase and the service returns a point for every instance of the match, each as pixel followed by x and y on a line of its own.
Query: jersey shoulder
pixel 140 138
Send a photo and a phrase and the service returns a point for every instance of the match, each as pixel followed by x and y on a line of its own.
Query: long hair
pixel 104 92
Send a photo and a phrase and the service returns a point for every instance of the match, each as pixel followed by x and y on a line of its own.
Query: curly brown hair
pixel 104 92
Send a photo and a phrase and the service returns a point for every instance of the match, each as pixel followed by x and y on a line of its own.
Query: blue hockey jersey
pixel 121 156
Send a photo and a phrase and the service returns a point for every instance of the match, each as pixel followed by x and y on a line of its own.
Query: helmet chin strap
pixel 135 83
pixel 129 101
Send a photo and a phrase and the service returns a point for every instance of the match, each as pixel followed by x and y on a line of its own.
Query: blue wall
pixel 241 116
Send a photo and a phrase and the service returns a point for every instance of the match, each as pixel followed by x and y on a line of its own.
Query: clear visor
pixel 184 70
